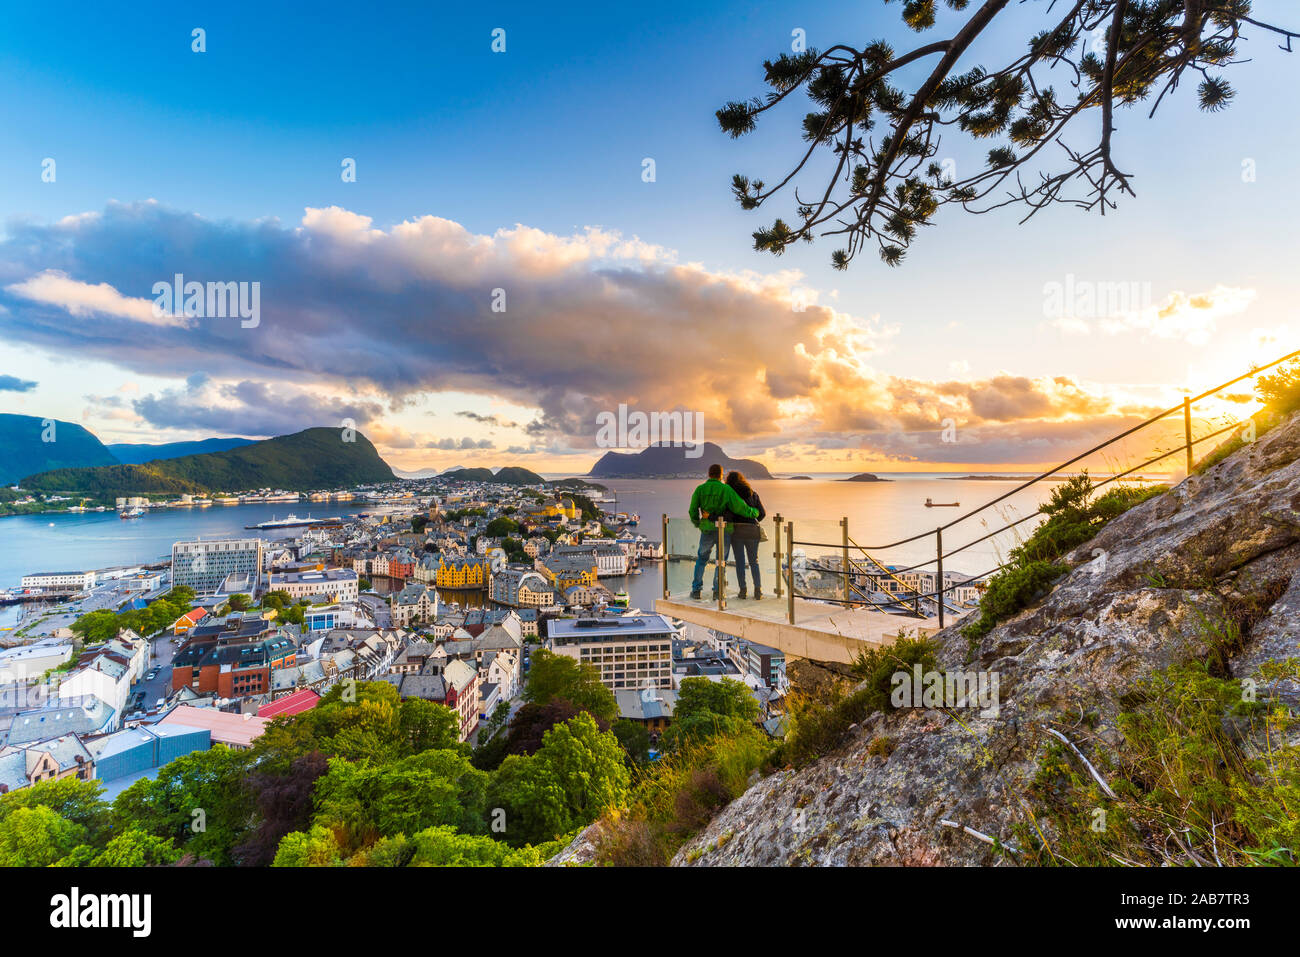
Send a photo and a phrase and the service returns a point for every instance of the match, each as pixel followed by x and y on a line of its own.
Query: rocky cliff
pixel 1223 546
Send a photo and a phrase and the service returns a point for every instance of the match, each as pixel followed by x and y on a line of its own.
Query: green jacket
pixel 711 500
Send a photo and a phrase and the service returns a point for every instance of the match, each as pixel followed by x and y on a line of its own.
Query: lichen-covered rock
pixel 581 850
pixel 1222 546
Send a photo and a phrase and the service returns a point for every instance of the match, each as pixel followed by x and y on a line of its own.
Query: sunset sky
pixel 522 171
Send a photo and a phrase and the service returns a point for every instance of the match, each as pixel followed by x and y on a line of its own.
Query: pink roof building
pixel 236 731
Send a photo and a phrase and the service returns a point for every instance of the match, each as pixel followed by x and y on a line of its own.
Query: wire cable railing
pixel 912 593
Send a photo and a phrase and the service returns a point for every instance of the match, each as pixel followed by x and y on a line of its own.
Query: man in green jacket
pixel 711 501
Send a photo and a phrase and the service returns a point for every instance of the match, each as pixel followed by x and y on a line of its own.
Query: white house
pixel 107 672
pixel 31 661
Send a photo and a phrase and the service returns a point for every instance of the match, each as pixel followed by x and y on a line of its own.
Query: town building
pixel 651 708
pixel 463 572
pixel 24 663
pixel 123 757
pixel 332 584
pixel 81 581
pixel 205 565
pixel 233 658
pixel 628 653
pixel 235 731
pixel 106 672
pixel 415 602
pixel 609 558
pixel 522 589
pixel 51 760
pixel 562 572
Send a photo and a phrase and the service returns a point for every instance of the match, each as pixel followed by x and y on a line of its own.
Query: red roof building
pixel 304 699
pixel 185 622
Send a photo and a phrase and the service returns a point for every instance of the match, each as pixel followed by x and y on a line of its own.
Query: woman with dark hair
pixel 746 534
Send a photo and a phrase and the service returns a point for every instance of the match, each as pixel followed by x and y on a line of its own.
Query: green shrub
pixel 818 727
pixel 1074 516
pixel 1203 777
pixel 1280 392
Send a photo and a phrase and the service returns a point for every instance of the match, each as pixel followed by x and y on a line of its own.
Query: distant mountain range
pixel 311 459
pixel 31 444
pixel 668 461
pixel 129 454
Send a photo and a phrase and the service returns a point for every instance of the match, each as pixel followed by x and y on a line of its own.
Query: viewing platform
pixel 821 632
pixel 824 598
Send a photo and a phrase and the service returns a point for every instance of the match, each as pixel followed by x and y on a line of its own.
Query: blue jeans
pixel 708 541
pixel 745 551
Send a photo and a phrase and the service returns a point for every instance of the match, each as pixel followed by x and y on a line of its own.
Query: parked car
pixel 160 702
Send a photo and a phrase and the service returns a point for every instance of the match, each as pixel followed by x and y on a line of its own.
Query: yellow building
pixel 463 572
pixel 560 508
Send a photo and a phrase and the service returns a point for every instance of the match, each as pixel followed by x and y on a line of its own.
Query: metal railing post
pixel 844 554
pixel 938 547
pixel 665 547
pixel 777 554
pixel 1187 430
pixel 789 564
pixel 720 580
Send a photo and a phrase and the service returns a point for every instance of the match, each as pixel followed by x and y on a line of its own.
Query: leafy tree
pixel 531 798
pixel 558 676
pixel 443 847
pixel 284 804
pixel 240 602
pixel 96 626
pixel 575 776
pixel 375 725
pixel 180 595
pixel 394 851
pixel 1280 392
pixel 360 802
pixel 514 549
pixel 277 600
pixel 315 848
pixel 531 723
pixel 634 739
pixel 78 801
pixel 133 848
pixel 199 800
pixel 428 725
pixel 882 188
pixel 588 764
pixel 706 708
pixel 501 526
pixel 37 837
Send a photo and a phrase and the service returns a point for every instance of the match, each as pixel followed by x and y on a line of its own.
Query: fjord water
pixel 63 541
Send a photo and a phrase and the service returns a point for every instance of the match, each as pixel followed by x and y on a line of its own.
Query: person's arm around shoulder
pixel 738 504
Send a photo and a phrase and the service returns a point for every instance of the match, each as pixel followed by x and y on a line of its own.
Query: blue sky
pixel 551 135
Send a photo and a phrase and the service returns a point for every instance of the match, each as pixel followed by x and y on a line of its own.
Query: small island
pixel 798 478
pixel 865 477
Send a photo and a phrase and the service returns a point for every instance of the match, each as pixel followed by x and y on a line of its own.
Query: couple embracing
pixel 737 504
